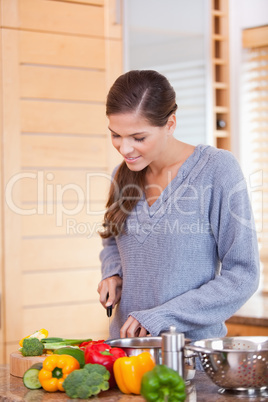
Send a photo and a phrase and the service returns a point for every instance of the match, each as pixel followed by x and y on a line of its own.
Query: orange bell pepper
pixel 128 372
pixel 55 369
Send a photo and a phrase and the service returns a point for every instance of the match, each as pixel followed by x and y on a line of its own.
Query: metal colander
pixel 235 364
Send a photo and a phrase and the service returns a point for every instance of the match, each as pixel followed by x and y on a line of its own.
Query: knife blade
pixel 109 311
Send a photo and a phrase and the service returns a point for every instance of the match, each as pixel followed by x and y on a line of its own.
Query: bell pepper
pixel 163 384
pixel 101 353
pixel 40 334
pixel 83 345
pixel 128 372
pixel 55 369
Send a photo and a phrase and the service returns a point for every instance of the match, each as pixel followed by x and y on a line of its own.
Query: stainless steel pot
pixel 153 345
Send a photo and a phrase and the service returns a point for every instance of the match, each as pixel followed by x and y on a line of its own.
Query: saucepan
pixel 152 344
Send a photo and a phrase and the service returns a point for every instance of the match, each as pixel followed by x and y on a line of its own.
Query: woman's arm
pixel 111 282
pixel 110 259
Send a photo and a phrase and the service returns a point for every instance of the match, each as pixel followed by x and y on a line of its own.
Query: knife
pixel 109 309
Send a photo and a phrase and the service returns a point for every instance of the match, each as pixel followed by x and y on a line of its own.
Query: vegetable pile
pixel 39 343
pixel 83 368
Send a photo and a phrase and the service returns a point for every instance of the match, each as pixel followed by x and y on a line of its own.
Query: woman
pixel 179 241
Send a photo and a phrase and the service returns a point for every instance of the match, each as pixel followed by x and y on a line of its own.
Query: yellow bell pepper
pixel 128 371
pixel 41 334
pixel 55 369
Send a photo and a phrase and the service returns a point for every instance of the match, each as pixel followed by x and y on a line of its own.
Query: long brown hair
pixel 151 96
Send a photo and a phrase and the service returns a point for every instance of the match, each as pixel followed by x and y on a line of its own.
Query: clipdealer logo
pixel 50 199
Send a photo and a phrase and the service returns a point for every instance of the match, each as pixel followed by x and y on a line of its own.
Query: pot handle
pixel 189 353
pixel 196 350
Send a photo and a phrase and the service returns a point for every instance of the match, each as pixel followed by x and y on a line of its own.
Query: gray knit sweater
pixel 191 259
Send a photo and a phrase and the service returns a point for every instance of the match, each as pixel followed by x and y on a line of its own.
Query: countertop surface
pixel 201 389
pixel 253 312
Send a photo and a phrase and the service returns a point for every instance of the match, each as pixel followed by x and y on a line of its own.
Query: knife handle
pixel 109 310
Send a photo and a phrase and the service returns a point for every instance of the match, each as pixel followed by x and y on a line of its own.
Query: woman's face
pixel 140 143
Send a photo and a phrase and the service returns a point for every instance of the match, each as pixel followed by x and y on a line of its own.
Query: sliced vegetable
pixel 65 340
pixel 54 339
pixel 55 369
pixel 101 353
pixel 40 334
pixel 163 384
pixel 30 377
pixel 128 372
pixel 53 343
pixel 77 353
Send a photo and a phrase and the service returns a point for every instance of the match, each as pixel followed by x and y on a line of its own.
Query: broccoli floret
pixel 98 368
pixel 97 383
pixel 32 347
pixel 84 383
pixel 75 384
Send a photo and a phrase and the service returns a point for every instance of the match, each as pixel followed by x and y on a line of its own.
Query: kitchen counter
pixel 253 312
pixel 251 319
pixel 201 389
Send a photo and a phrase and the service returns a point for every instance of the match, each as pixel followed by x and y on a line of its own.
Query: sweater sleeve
pixel 110 259
pixel 236 241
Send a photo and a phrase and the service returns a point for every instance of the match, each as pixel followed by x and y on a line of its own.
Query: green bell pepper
pixel 163 384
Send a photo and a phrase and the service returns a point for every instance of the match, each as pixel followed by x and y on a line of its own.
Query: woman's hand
pixel 132 328
pixel 113 286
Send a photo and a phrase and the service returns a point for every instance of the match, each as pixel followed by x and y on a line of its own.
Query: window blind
pixel 255 85
pixel 189 82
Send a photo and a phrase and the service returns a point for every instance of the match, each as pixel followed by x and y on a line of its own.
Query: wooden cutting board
pixel 19 364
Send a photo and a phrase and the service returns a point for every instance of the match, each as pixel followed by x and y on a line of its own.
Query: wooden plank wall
pixel 59 58
pixel 1 212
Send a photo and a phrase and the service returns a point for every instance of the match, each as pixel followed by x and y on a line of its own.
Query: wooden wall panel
pixel 95 2
pixel 9 13
pixel 76 286
pixel 56 16
pixel 40 186
pixel 62 50
pixel 113 19
pixel 60 253
pixel 62 118
pixel 58 151
pixel 79 223
pixel 2 310
pixel 13 291
pixel 50 83
pixel 66 320
pixel 113 52
pixel 59 59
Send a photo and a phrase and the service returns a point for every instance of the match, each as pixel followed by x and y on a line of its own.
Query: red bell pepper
pixel 83 345
pixel 101 353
